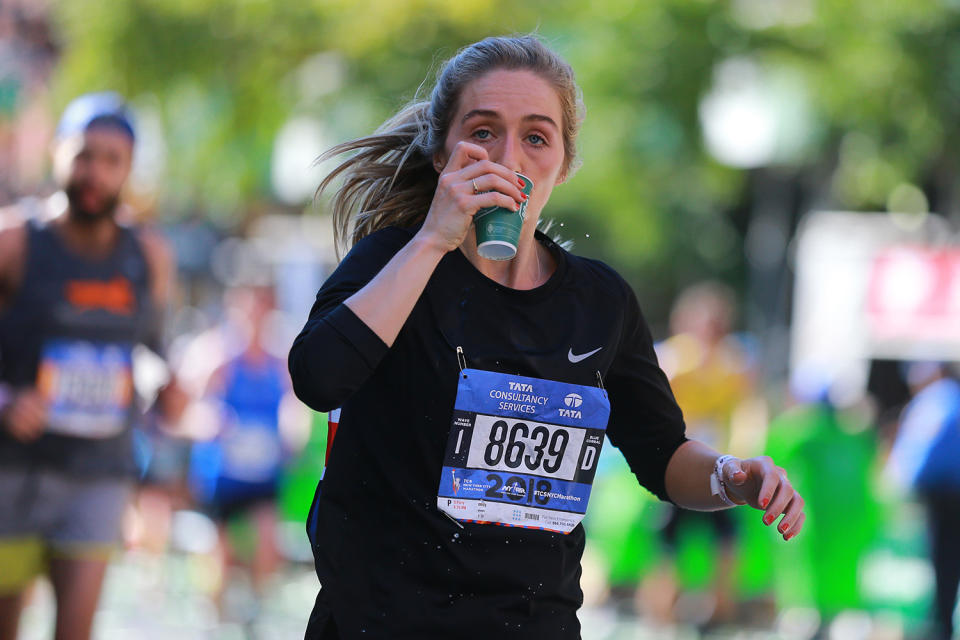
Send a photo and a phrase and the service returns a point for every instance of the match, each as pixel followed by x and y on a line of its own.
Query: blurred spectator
pixel 830 453
pixel 926 458
pixel 163 457
pixel 27 54
pixel 80 294
pixel 709 374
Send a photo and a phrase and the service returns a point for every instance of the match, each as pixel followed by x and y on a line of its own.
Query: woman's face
pixel 516 117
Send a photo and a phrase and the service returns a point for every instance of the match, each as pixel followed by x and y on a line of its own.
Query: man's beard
pixel 85 215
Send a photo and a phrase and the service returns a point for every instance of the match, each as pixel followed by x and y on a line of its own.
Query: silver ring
pixel 474 183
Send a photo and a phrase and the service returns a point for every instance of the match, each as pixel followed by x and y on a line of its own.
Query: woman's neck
pixel 530 268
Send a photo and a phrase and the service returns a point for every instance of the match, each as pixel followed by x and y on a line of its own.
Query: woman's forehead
pixel 509 93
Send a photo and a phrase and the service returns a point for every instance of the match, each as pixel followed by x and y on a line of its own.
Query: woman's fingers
pixel 470 162
pixel 464 154
pixel 480 185
pixel 468 200
pixel 484 167
pixel 793 518
pixel 770 480
pixel 775 496
pixel 494 182
pixel 781 497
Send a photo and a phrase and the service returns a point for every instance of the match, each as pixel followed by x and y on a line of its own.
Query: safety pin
pixel 452 519
pixel 461 359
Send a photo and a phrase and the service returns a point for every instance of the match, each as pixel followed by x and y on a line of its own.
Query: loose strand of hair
pixel 375 191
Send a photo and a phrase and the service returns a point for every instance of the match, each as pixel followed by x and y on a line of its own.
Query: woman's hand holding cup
pixel 468 183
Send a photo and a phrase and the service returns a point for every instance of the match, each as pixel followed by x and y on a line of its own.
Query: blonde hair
pixel 389 178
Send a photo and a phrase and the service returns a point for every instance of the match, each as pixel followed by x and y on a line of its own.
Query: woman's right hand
pixel 469 182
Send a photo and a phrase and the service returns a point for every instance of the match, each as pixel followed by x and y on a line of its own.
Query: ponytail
pixel 389 180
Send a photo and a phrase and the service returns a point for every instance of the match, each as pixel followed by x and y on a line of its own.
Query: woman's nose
pixel 509 155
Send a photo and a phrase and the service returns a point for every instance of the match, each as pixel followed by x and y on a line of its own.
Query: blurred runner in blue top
pixel 237 473
pixel 926 457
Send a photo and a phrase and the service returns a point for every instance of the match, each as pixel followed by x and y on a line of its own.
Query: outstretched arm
pixel 757 482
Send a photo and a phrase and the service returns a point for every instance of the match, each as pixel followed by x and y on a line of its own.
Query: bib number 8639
pixel 509 444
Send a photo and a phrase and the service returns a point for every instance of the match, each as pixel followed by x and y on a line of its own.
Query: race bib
pixel 522 451
pixel 88 387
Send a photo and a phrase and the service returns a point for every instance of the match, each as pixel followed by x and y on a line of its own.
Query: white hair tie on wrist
pixel 717 486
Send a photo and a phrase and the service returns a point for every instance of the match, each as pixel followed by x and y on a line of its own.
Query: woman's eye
pixel 536 139
pixel 481 134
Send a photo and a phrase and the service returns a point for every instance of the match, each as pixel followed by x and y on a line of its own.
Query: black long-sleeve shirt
pixel 390 564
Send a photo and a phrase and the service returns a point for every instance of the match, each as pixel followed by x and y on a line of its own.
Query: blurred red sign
pixel 914 294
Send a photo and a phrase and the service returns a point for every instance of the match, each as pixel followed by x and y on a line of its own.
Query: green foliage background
pixel 874 87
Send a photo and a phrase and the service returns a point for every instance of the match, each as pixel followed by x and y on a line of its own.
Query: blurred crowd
pixel 28 54
pixel 225 484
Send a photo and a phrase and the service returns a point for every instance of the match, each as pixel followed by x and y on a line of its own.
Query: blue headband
pixel 96 109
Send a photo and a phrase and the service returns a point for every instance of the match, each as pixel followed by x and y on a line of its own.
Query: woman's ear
pixel 439 162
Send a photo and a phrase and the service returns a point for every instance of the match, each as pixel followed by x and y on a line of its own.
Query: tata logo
pixel 520 386
pixel 573 400
pixel 570 413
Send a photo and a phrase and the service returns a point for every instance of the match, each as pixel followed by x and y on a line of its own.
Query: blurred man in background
pixel 78 294
pixel 926 458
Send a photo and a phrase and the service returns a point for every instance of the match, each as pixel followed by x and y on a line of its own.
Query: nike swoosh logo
pixel 583 356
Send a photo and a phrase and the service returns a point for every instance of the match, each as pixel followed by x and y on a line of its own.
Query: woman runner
pixel 475 392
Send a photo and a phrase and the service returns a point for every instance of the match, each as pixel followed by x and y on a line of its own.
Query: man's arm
pixel 162 267
pixel 172 400
pixel 13 250
pixel 23 412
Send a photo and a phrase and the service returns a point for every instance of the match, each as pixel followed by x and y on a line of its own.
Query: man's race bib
pixel 522 451
pixel 88 387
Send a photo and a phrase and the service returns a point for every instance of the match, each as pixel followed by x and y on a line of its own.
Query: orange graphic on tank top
pixel 114 295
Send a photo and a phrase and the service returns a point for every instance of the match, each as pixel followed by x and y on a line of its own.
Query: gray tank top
pixel 69 331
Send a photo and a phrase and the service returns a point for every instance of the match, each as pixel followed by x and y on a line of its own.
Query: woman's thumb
pixel 737 473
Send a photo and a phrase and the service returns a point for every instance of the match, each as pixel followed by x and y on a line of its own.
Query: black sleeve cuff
pixel 356 332
pixel 660 488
